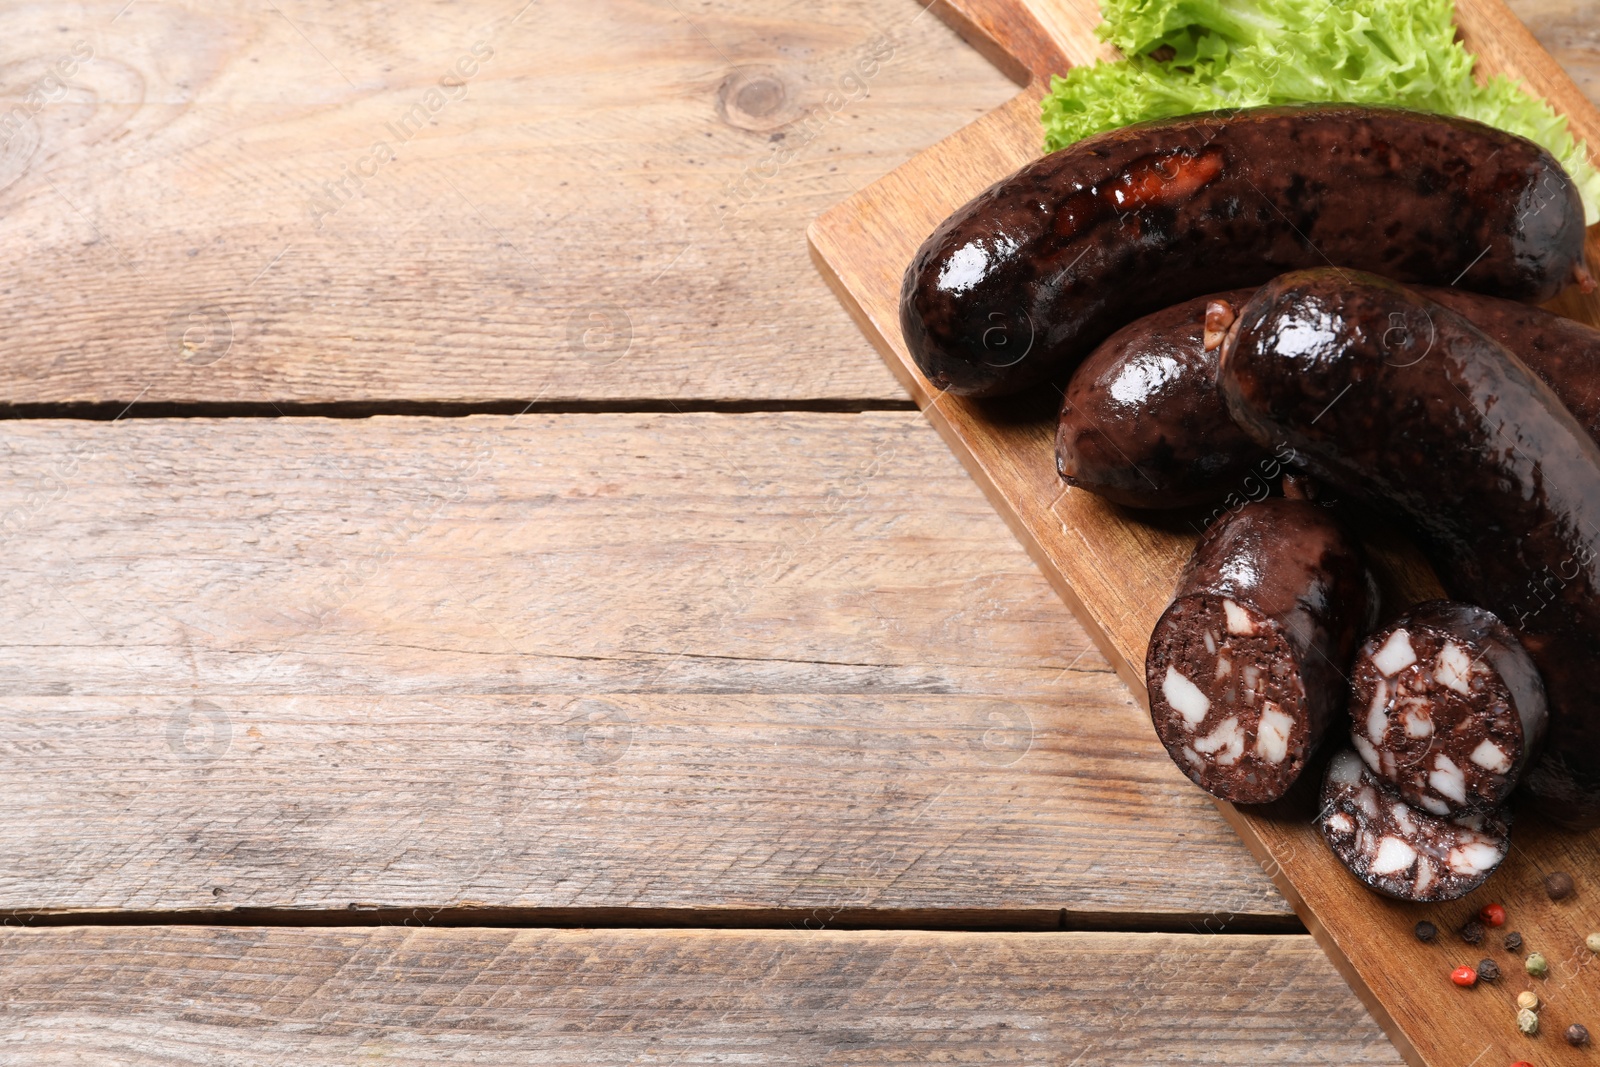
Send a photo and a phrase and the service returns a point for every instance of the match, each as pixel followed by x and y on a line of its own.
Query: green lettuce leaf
pixel 1210 54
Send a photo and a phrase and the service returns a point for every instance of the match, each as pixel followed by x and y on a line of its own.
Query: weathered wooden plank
pixel 250 203
pixel 715 661
pixel 184 995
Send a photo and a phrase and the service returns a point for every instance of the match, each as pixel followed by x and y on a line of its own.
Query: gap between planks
pixel 117 410
pixel 926 920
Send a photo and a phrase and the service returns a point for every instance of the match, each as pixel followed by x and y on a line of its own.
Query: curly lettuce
pixel 1200 55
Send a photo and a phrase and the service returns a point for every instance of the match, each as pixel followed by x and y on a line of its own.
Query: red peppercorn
pixel 1522 1063
pixel 1464 976
pixel 1493 914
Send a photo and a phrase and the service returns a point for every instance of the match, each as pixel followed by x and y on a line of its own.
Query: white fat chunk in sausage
pixel 1340 823
pixel 1453 667
pixel 1394 856
pixel 1378 712
pixel 1185 697
pixel 1474 857
pixel 1417 719
pixel 1193 757
pixel 1239 622
pixel 1345 769
pixel 1491 757
pixel 1377 723
pixel 1367 801
pixel 1447 780
pixel 1402 818
pixel 1224 667
pixel 1395 655
pixel 1368 753
pixel 1226 741
pixel 1424 876
pixel 1272 734
pixel 1211 642
pixel 1435 805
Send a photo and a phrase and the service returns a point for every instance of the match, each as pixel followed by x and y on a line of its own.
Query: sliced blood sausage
pixel 1446 707
pixel 1245 668
pixel 1141 423
pixel 1388 396
pixel 1022 282
pixel 1400 850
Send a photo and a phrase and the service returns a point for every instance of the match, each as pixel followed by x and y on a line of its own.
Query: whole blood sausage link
pixel 1024 280
pixel 1388 396
pixel 1142 423
pixel 1245 667
pixel 1446 707
pixel 1398 850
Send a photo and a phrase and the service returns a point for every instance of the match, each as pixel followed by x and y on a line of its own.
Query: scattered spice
pixel 1577 1035
pixel 1513 941
pixel 1558 886
pixel 1465 977
pixel 1472 933
pixel 1528 999
pixel 1493 914
pixel 1527 1022
pixel 1593 942
pixel 1426 931
pixel 1488 970
pixel 1536 965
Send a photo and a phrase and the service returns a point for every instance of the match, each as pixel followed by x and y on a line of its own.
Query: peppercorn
pixel 1465 977
pixel 1593 942
pixel 1522 1063
pixel 1472 933
pixel 1527 1022
pixel 1488 970
pixel 1558 886
pixel 1426 931
pixel 1577 1035
pixel 1536 965
pixel 1513 941
pixel 1493 914
pixel 1528 999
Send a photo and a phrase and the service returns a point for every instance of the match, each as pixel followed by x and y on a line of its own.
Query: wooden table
pixel 473 595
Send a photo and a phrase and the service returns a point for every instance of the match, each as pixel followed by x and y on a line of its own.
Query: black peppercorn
pixel 1513 942
pixel 1488 970
pixel 1577 1034
pixel 1472 933
pixel 1558 886
pixel 1426 931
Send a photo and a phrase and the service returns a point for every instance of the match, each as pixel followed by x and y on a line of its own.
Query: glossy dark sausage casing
pixel 1245 668
pixel 1391 397
pixel 1141 422
pixel 1022 282
pixel 1563 352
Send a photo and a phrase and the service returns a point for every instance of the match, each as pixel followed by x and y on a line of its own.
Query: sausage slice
pixel 1399 850
pixel 1446 707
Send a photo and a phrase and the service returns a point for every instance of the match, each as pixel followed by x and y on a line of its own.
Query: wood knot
pixel 756 98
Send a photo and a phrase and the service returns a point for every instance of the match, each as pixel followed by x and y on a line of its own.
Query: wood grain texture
pixel 1118 571
pixel 149 997
pixel 697 661
pixel 611 205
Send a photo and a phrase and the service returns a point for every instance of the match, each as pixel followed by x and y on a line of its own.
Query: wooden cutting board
pixel 1117 571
